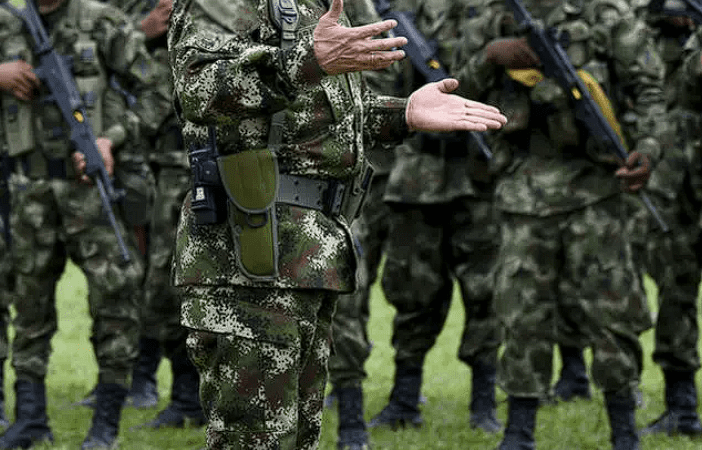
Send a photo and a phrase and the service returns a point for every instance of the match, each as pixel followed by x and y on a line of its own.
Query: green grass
pixel 579 425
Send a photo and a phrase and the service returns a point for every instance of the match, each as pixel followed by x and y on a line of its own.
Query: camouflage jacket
pixel 101 43
pixel 551 166
pixel 431 169
pixel 230 71
pixel 159 126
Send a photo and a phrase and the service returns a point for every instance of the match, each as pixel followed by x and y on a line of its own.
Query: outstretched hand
pixel 341 49
pixel 433 108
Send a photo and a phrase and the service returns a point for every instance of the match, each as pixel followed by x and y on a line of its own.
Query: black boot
pixel 521 423
pixel 31 423
pixel 144 393
pixel 574 381
pixel 680 416
pixel 184 410
pixel 403 407
pixel 621 406
pixel 352 427
pixel 110 398
pixel 482 403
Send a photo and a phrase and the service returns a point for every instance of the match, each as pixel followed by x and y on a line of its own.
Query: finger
pixel 447 85
pixel 473 105
pixel 381 60
pixel 489 117
pixel 335 10
pixel 386 44
pixel 374 29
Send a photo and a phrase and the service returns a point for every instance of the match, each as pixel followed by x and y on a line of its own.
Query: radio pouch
pixel 251 180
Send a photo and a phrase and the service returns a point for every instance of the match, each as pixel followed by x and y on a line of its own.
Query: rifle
pixel 422 55
pixel 557 65
pixel 53 71
pixel 692 9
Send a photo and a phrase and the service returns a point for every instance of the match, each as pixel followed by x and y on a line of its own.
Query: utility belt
pixel 243 190
pixel 36 165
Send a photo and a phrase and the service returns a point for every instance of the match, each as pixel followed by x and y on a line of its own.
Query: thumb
pixel 448 85
pixel 335 10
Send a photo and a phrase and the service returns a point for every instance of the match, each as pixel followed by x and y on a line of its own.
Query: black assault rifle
pixel 692 9
pixel 557 65
pixel 53 70
pixel 422 55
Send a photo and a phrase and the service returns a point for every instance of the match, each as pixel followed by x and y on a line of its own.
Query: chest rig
pixel 36 129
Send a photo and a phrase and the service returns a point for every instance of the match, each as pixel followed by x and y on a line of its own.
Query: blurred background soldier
pixel 58 216
pixel 673 259
pixel 442 230
pixel 563 233
pixel 351 346
pixel 160 315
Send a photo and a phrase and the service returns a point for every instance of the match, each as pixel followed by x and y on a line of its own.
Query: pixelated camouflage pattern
pixel 327 120
pixel 573 268
pixel 551 168
pixel 274 351
pixel 454 241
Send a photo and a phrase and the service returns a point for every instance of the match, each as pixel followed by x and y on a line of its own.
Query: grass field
pixel 579 425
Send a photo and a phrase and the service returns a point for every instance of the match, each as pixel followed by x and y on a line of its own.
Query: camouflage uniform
pixel 56 217
pixel 673 259
pixel 260 340
pixel 160 313
pixel 564 257
pixel 440 195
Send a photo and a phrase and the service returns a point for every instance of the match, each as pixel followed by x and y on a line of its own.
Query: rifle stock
pixel 53 70
pixel 557 65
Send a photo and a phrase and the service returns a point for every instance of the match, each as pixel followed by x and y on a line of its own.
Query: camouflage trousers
pixel 571 268
pixel 160 313
pixel 429 247
pixel 262 358
pixel 673 261
pixel 349 326
pixel 51 221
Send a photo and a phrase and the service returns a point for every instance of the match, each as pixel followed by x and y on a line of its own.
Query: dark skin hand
pixel 155 24
pixel 19 79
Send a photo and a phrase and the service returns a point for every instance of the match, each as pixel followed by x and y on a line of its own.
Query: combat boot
pixel 352 427
pixel 403 407
pixel 143 392
pixel 184 409
pixel 110 398
pixel 482 403
pixel 31 423
pixel 621 407
pixel 573 382
pixel 680 416
pixel 521 423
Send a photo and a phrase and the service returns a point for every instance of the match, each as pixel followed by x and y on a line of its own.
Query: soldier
pixel 563 234
pixel 6 270
pixel 673 259
pixel 282 102
pixel 160 316
pixel 58 211
pixel 439 193
pixel 349 325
